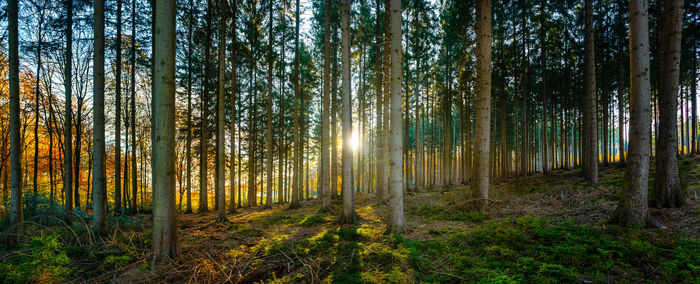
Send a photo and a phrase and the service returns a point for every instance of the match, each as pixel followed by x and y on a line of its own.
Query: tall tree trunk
pixel 347 214
pixel 188 154
pixel 233 97
pixel 667 187
pixel 99 194
pixel 396 217
pixel 203 142
pixel 334 116
pixel 382 190
pixel 16 215
pixel 621 99
pixel 118 112
pixel 268 105
pixel 483 103
pixel 693 100
pixel 545 111
pixel 221 119
pixel 134 188
pixel 165 240
pixel 590 120
pixel 633 209
pixel 325 111
pixel 67 155
pixel 296 186
pixel 37 97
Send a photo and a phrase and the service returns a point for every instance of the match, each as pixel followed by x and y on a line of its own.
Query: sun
pixel 354 140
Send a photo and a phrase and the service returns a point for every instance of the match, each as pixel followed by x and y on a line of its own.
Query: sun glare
pixel 354 140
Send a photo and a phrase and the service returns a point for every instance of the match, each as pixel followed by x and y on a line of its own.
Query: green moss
pixel 312 220
pixel 445 213
pixel 532 250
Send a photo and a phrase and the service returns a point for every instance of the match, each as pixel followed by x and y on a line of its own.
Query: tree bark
pixel 633 209
pixel 67 155
pixel 118 113
pixel 589 116
pixel 396 183
pixel 667 187
pixel 16 215
pixel 325 111
pixel 203 142
pixel 483 103
pixel 221 119
pixel 165 240
pixel 188 154
pixel 296 184
pixel 233 97
pixel 268 105
pixel 347 214
pixel 99 194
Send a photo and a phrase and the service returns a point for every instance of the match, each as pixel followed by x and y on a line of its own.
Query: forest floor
pixel 535 229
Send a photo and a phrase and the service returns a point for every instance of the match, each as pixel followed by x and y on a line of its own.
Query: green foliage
pixel 45 261
pixel 532 250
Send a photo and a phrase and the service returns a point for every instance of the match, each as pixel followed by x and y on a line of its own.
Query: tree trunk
pixel 99 194
pixel 165 240
pixel 268 105
pixel 16 215
pixel 188 154
pixel 347 214
pixel 397 222
pixel 325 111
pixel 234 96
pixel 382 191
pixel 483 103
pixel 667 187
pixel 68 150
pixel 203 142
pixel 296 186
pixel 621 100
pixel 589 117
pixel 134 188
pixel 221 120
pixel 633 209
pixel 334 116
pixel 118 113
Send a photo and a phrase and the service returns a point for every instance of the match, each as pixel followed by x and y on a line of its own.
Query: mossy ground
pixel 536 229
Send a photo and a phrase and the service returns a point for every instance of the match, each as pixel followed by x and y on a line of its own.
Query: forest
pixel 349 141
